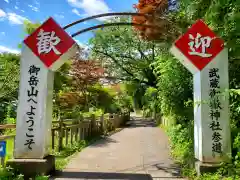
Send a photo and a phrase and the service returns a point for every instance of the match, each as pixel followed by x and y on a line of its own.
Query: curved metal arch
pixel 105 15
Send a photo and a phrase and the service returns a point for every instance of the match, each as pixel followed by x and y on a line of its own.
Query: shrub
pixel 181 142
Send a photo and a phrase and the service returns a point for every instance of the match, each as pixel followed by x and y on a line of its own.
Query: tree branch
pixel 115 61
pixel 124 69
pixel 141 52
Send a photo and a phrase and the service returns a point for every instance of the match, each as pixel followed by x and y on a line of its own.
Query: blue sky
pixel 14 12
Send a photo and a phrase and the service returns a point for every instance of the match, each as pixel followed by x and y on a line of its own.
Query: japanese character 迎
pixel 199 42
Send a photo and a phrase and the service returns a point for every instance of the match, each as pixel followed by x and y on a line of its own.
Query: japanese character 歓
pixel 47 42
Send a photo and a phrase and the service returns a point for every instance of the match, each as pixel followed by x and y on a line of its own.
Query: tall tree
pixel 85 73
pixel 9 75
pixel 124 54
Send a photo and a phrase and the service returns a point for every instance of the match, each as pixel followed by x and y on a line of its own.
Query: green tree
pixel 223 17
pixel 9 75
pixel 125 55
pixel 9 82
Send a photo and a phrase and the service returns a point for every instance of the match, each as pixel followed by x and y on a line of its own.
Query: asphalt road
pixel 139 152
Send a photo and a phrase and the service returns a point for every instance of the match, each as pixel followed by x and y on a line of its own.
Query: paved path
pixel 139 152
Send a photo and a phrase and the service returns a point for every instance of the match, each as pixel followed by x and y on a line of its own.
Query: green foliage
pixel 223 17
pixel 63 157
pixel 136 91
pixel 9 75
pixel 125 56
pixel 102 97
pixel 9 81
pixel 175 83
pixel 95 112
pixel 8 173
pixel 182 148
pixel 150 101
pixel 174 88
pixel 29 27
pixel 123 100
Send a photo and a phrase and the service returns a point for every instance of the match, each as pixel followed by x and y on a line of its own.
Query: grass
pixel 182 151
pixel 62 158
pixel 9 149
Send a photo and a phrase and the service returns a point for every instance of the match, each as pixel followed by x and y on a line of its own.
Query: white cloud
pixel 75 11
pixel 15 7
pixel 6 1
pixel 6 49
pixel 91 7
pixel 59 16
pixel 33 8
pixel 2 13
pixel 14 18
pixel 22 10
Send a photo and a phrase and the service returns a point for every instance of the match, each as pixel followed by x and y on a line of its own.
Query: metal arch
pixel 104 15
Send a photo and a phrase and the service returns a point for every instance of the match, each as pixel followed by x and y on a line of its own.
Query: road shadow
pixel 172 169
pixel 133 123
pixel 103 142
pixel 141 122
pixel 106 176
pixel 101 175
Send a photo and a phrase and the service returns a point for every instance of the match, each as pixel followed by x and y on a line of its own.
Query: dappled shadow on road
pixel 172 169
pixel 141 122
pixel 107 176
pixel 103 176
pixel 133 123
pixel 103 142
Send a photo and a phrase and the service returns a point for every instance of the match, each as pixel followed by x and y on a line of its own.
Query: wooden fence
pixel 69 131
